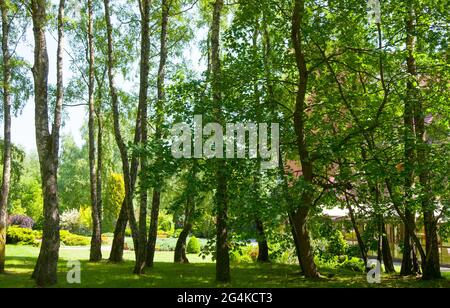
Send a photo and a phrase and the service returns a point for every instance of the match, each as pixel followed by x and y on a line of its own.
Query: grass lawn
pixel 199 274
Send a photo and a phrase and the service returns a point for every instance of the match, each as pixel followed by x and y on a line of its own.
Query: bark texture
pixel 45 271
pixel 306 199
pixel 156 199
pixel 7 147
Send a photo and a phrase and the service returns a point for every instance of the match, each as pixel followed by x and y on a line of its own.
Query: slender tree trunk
pixel 116 255
pixel 301 215
pixel 129 189
pixel 96 240
pixel 432 269
pixel 45 272
pixel 407 261
pixel 156 200
pixel 222 247
pixel 263 247
pixel 362 246
pixel 386 250
pixel 7 134
pixel 180 248
pixel 143 96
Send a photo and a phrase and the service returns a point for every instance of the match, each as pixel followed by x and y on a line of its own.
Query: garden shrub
pixel 128 232
pixel 69 239
pixel 337 245
pixel 21 236
pixel 353 264
pixel 72 221
pixel 21 221
pixel 193 245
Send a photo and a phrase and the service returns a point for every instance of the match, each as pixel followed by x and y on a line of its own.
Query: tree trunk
pixel 45 272
pixel 386 251
pixel 143 96
pixel 222 247
pixel 153 230
pixel 307 257
pixel 408 267
pixel 180 248
pixel 117 133
pixel 362 246
pixel 116 255
pixel 156 200
pixel 96 240
pixel 407 261
pixel 7 147
pixel 263 247
pixel 431 269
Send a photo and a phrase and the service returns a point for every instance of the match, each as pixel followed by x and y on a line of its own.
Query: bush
pixel 69 239
pixel 337 245
pixel 193 245
pixel 247 254
pixel 165 223
pixel 354 251
pixel 72 221
pixel 21 236
pixel 21 221
pixel 128 232
pixel 353 264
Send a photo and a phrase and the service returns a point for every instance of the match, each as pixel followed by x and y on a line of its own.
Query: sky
pixel 23 130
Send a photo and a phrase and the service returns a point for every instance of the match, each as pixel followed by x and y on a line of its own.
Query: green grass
pixel 200 274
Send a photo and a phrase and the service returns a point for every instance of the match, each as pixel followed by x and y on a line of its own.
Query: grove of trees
pixel 360 89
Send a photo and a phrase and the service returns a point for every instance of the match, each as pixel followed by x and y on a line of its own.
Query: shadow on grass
pixel 199 275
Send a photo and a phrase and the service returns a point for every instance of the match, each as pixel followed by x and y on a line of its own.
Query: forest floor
pixel 199 274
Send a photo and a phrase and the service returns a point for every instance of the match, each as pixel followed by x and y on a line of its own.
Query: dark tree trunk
pixel 295 238
pixel 143 96
pixel 45 272
pixel 408 267
pixel 180 248
pixel 410 137
pixel 222 247
pixel 156 200
pixel 263 247
pixel 7 147
pixel 301 215
pixel 386 251
pixel 153 230
pixel 96 240
pixel 362 246
pixel 117 247
pixel 126 166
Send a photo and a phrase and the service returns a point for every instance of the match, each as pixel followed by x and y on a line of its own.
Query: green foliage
pixel 26 192
pixel 193 246
pixel 165 223
pixel 73 175
pixel 69 239
pixel 21 236
pixel 113 197
pixel 245 254
pixel 76 221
